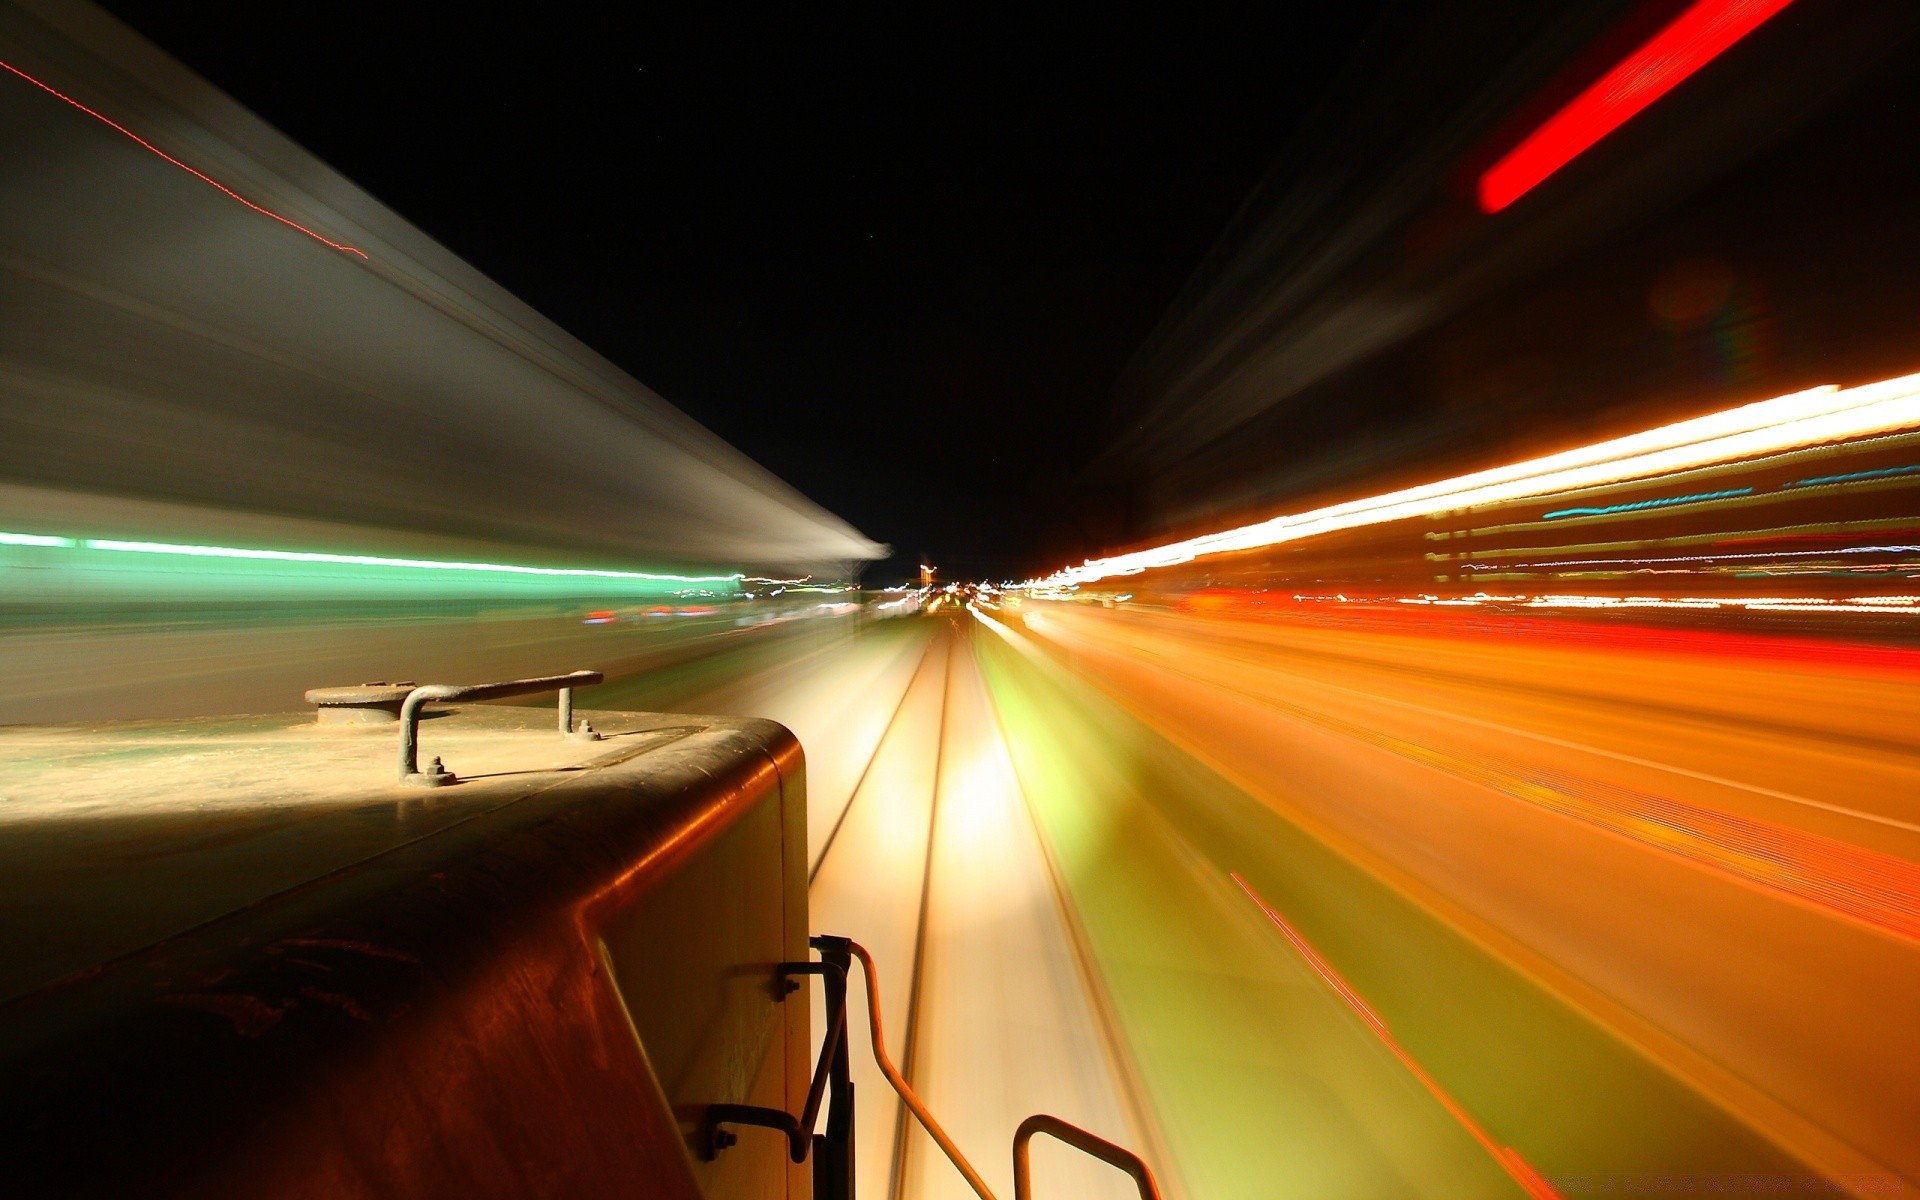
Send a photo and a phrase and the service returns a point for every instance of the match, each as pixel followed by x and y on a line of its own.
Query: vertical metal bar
pixel 1022 1164
pixel 410 733
pixel 566 710
pixel 833 1157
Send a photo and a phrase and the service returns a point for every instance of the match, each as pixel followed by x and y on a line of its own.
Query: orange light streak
pixel 1516 1167
pixel 200 175
pixel 1855 883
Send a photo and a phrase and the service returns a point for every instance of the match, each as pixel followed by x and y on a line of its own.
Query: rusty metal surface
pixel 363 693
pixel 366 703
pixel 428 1009
pixel 412 709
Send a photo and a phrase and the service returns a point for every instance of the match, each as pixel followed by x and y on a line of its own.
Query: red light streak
pixel 1696 37
pixel 200 175
pixel 1516 1167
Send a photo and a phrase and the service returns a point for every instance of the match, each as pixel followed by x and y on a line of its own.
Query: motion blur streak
pixel 1696 37
pixel 992 1046
pixel 1750 433
pixel 1702 842
pixel 236 464
pixel 1509 1160
pixel 177 370
pixel 356 560
pixel 200 175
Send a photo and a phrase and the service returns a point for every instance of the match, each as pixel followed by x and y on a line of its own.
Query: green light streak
pixel 47 569
pixel 370 560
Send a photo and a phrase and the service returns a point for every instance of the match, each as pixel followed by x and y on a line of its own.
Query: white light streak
pixel 1819 416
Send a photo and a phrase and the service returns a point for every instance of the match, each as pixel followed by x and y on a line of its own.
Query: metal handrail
pixel 900 1085
pixel 1086 1143
pixel 437 692
pixel 832 1172
pixel 1072 1135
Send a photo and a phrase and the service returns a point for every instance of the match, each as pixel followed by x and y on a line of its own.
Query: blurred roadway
pixel 1629 851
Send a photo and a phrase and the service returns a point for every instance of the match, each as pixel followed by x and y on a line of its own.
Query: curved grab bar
pixel 410 711
pixel 1072 1135
pixel 1087 1143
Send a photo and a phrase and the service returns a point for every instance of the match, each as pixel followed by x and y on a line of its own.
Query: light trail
pixel 373 560
pixel 117 545
pixel 1515 731
pixel 1691 558
pixel 202 176
pixel 36 539
pixel 1842 879
pixel 1702 840
pixel 1640 505
pixel 1800 420
pixel 1853 477
pixel 1516 1167
pixel 1692 40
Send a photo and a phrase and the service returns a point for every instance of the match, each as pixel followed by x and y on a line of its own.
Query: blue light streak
pixel 1853 476
pixel 1640 505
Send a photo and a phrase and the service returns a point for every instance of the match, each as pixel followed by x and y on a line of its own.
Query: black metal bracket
pixel 833 1167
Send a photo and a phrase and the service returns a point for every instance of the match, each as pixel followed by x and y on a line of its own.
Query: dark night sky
pixel 896 255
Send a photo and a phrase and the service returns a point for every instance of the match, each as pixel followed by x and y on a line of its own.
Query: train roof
pixel 255 961
pixel 122 834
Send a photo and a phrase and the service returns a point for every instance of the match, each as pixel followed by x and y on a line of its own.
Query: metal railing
pixel 833 1173
pixel 418 698
pixel 1085 1143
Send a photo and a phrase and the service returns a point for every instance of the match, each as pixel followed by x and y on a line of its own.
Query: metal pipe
pixel 1073 1135
pixel 410 723
pixel 429 693
pixel 1086 1143
pixel 900 1085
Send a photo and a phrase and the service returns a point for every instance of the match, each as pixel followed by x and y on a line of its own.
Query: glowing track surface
pixel 927 853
